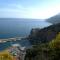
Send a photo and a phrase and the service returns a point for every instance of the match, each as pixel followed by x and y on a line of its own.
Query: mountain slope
pixel 55 19
pixel 44 35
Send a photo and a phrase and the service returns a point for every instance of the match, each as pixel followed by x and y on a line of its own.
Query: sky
pixel 36 9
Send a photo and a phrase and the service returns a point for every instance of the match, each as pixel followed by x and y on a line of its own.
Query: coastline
pixel 11 39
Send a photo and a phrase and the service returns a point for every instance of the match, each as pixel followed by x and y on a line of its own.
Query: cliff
pixel 44 35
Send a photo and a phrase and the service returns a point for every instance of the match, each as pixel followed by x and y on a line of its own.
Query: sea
pixel 18 27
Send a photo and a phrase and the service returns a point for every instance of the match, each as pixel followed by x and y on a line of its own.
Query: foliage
pixel 45 51
pixel 4 55
pixel 55 43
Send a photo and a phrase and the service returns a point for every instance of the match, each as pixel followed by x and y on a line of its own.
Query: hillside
pixel 44 35
pixel 45 51
pixel 55 19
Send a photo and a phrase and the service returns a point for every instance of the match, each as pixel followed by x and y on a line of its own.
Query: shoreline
pixel 11 39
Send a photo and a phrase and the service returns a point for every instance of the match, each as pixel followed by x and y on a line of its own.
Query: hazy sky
pixel 40 9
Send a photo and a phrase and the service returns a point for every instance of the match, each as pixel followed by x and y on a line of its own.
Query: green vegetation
pixel 5 55
pixel 45 51
pixel 55 43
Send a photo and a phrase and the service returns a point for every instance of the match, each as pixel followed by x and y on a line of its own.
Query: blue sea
pixel 15 27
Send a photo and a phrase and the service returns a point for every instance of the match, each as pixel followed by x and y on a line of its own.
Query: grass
pixel 5 55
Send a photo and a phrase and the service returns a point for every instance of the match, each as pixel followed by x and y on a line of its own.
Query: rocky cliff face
pixel 44 35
